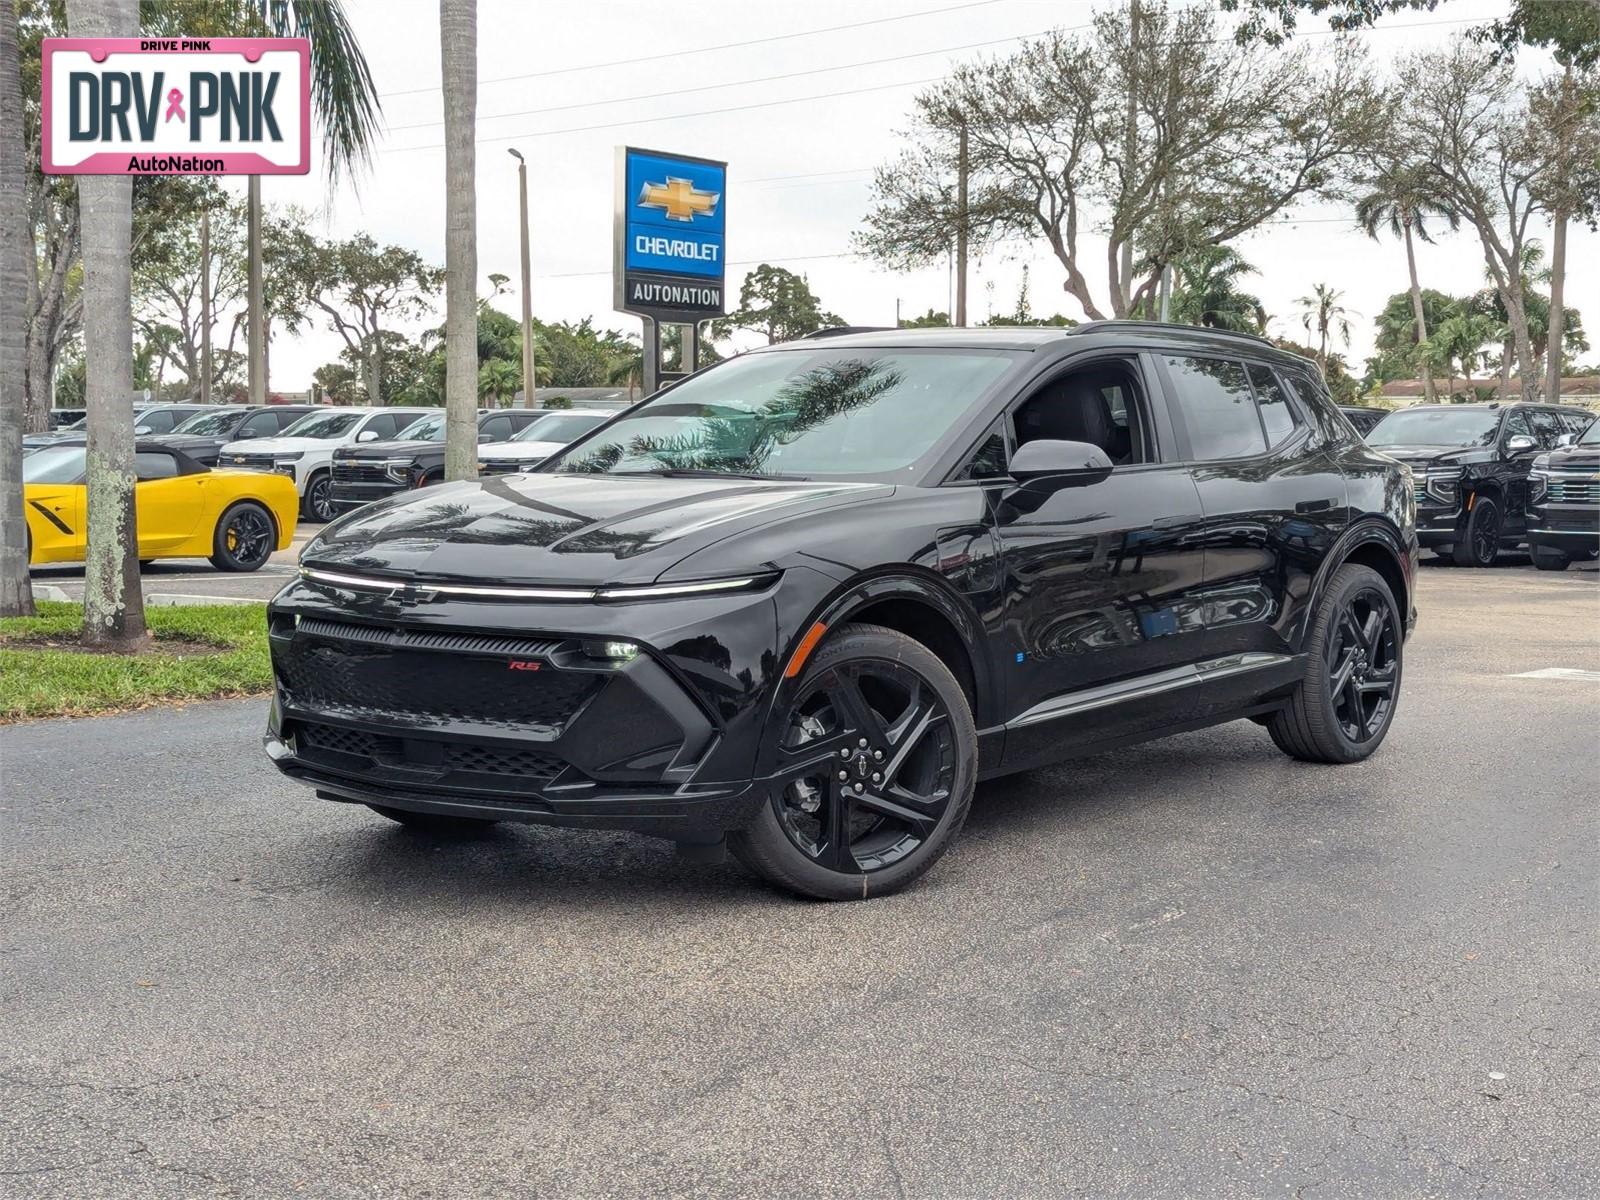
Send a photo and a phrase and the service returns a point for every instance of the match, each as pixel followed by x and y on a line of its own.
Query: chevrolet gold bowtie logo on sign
pixel 679 199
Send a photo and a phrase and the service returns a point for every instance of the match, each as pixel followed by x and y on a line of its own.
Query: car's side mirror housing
pixel 1044 467
pixel 1566 439
pixel 1520 443
pixel 367 435
pixel 483 437
pixel 141 430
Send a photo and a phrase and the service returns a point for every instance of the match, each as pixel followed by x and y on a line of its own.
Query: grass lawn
pixel 199 652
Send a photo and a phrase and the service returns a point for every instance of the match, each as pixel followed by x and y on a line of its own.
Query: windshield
pixel 1591 435
pixel 566 427
pixel 212 423
pixel 1437 427
pixel 323 424
pixel 805 413
pixel 424 429
pixel 54 464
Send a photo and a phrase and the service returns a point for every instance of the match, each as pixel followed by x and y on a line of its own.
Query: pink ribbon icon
pixel 175 105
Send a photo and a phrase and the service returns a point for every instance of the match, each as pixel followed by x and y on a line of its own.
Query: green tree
pixel 777 304
pixel 1323 315
pixel 339 382
pixel 1461 340
pixel 1206 291
pixel 498 381
pixel 1402 198
pixel 1399 354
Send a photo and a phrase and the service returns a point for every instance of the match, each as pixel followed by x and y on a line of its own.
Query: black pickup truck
pixel 1564 503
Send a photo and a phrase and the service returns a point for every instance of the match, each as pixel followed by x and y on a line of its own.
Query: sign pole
pixel 253 301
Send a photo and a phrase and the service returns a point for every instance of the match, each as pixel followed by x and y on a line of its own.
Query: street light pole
pixel 527 289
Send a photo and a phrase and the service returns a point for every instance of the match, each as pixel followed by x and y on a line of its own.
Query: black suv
pixel 800 602
pixel 1471 464
pixel 1564 502
pixel 205 433
pixel 370 471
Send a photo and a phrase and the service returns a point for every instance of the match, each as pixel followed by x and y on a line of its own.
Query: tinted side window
pixel 1515 425
pixel 160 421
pixel 989 460
pixel 261 425
pixel 1218 408
pixel 286 419
pixel 1277 417
pixel 149 464
pixel 496 429
pixel 1546 427
pixel 383 425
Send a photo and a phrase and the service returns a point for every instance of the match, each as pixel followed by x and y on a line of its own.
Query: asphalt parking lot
pixel 183 580
pixel 1190 967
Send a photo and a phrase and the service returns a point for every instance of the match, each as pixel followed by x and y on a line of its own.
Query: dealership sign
pixel 177 106
pixel 670 235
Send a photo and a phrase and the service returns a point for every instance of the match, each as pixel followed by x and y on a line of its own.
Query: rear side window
pixel 1277 417
pixel 148 464
pixel 1218 407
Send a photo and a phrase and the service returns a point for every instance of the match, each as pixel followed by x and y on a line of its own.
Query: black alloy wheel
pixel 319 498
pixel 1350 686
pixel 1480 540
pixel 1363 668
pixel 875 767
pixel 244 539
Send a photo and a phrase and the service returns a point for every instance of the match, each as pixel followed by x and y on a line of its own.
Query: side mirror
pixel 1520 443
pixel 367 435
pixel 1044 467
pixel 483 437
pixel 1566 439
pixel 141 429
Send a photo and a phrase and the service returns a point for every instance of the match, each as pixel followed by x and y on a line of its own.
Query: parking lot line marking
pixel 1558 673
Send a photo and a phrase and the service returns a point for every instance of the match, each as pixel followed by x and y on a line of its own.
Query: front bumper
pixel 459 710
pixel 348 496
pixel 1564 526
pixel 1438 524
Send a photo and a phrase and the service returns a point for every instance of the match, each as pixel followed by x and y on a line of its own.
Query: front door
pixel 167 504
pixel 1100 581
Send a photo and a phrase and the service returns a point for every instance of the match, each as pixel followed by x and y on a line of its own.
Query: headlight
pixel 1444 486
pixel 279 459
pixel 399 469
pixel 1539 479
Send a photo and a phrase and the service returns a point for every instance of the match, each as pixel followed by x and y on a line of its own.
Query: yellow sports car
pixel 185 509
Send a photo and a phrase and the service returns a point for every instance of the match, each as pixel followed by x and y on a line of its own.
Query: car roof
pixel 1038 337
pixel 577 412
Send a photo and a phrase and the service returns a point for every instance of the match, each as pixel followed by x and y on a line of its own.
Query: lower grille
pixel 454 764
pixel 499 468
pixel 359 472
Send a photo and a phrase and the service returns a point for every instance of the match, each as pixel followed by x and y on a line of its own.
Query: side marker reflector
pixel 804 649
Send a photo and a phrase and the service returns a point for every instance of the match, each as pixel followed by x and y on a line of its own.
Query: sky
pixel 566 83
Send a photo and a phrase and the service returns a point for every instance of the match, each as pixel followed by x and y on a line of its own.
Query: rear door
pixel 1273 498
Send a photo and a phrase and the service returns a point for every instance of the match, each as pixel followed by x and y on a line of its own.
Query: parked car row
pixel 1486 479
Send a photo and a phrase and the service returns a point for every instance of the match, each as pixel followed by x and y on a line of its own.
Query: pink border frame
pixel 239 162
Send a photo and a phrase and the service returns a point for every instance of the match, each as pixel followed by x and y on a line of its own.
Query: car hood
pixel 279 445
pixel 388 449
pixel 1575 458
pixel 189 443
pixel 1443 456
pixel 519 451
pixel 550 529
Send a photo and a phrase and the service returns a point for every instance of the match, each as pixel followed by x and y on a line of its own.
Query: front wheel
pixel 318 502
pixel 1546 558
pixel 876 761
pixel 1345 701
pixel 1480 540
pixel 244 539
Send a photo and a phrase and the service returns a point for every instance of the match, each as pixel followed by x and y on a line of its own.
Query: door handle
pixel 1173 522
pixel 1314 506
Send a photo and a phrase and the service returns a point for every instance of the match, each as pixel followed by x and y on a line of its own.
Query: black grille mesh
pixel 456 761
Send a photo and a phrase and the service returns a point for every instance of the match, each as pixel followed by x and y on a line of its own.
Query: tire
pixel 435 823
pixel 1547 558
pixel 244 539
pixel 882 699
pixel 317 503
pixel 1348 659
pixel 145 562
pixel 1480 538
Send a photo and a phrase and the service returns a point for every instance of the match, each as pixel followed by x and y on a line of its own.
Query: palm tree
pixel 498 379
pixel 1403 201
pixel 1207 292
pixel 16 596
pixel 458 47
pixel 1322 314
pixel 113 606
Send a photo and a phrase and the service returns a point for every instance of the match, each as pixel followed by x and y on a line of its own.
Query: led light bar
pixel 640 592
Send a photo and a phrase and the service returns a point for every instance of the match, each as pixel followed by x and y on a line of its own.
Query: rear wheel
pixel 1547 558
pixel 1480 540
pixel 1345 702
pixel 244 539
pixel 878 759
pixel 435 823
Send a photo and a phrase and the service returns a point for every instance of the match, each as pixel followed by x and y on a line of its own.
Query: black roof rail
pixel 841 330
pixel 1165 326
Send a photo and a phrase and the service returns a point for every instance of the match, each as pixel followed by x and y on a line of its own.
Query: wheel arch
pixel 925 609
pixel 261 502
pixel 1370 543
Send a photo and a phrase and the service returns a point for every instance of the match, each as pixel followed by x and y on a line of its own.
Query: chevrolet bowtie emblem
pixel 679 199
